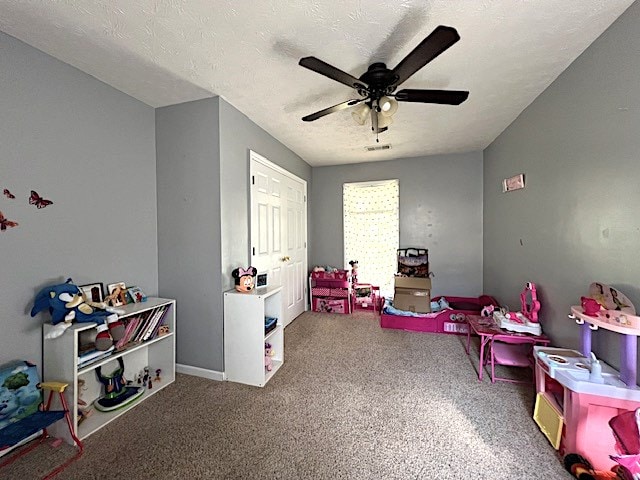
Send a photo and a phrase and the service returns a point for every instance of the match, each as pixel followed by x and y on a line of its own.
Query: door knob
pixel 286 259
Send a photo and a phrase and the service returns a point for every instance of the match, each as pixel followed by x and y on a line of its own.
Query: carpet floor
pixel 352 401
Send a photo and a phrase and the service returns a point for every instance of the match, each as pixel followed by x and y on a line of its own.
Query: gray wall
pixel 239 135
pixel 188 165
pixel 577 219
pixel 91 150
pixel 203 221
pixel 440 209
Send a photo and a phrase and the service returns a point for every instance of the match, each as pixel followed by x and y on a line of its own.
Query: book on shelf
pixel 94 355
pixel 144 324
pixel 156 329
pixel 132 324
pixel 156 321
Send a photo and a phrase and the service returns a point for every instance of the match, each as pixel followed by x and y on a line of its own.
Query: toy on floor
pixel 244 278
pixel 66 303
pixel 116 392
pixel 525 321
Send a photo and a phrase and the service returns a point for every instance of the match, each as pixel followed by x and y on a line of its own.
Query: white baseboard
pixel 199 372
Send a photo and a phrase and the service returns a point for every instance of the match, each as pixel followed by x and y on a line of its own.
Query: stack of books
pixel 93 355
pixel 142 327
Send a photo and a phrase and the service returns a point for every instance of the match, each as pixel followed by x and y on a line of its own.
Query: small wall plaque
pixel 513 183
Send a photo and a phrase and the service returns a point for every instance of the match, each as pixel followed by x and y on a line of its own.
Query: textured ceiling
pixel 170 51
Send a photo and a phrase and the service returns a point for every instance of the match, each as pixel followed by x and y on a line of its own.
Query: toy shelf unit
pixel 331 291
pixel 577 394
pixel 245 316
pixel 62 362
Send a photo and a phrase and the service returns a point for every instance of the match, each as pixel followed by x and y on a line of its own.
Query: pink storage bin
pixel 337 275
pixel 330 305
pixel 321 291
pixel 339 292
pixel 330 283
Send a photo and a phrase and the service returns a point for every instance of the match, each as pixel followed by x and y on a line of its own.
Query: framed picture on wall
pixel 513 183
pixel 93 291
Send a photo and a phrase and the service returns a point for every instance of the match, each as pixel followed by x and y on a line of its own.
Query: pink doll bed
pixel 451 320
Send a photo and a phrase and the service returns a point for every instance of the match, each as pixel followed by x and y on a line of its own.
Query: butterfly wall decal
pixel 8 194
pixel 38 201
pixel 5 223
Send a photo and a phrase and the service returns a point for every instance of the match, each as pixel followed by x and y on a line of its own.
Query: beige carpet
pixel 352 401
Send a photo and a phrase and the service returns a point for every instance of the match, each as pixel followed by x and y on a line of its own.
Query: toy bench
pixel 22 413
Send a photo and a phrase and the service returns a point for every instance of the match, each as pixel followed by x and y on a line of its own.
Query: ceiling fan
pixel 377 85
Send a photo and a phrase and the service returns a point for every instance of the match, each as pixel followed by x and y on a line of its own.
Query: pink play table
pixel 486 328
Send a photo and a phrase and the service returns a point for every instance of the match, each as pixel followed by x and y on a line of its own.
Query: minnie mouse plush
pixel 244 278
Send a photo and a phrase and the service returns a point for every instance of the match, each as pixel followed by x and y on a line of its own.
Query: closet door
pixel 278 232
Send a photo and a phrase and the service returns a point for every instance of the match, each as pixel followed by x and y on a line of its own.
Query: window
pixel 372 230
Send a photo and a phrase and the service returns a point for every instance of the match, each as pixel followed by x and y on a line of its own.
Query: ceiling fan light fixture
pixel 388 106
pixel 361 113
pixel 384 121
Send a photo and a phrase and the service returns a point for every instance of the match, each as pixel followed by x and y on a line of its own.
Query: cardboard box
pixel 419 283
pixel 412 294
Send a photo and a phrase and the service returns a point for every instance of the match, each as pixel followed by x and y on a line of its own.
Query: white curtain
pixel 372 230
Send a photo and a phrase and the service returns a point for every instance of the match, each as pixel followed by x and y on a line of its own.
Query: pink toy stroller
pixel 626 430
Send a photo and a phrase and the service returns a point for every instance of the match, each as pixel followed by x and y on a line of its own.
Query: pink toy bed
pixel 451 320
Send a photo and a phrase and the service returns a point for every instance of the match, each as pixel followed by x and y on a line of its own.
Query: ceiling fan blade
pixel 444 97
pixel 335 108
pixel 432 46
pixel 323 68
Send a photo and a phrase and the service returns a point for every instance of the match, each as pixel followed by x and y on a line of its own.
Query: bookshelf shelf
pixel 116 354
pixel 244 337
pixel 61 363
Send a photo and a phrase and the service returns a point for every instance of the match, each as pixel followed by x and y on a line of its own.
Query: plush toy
pixel 268 353
pixel 487 310
pixel 354 270
pixel 590 306
pixel 244 278
pixel 67 303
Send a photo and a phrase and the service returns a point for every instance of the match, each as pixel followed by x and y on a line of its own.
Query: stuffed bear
pixel 67 303
pixel 244 278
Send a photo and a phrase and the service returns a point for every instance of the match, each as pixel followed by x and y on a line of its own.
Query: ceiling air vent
pixel 374 148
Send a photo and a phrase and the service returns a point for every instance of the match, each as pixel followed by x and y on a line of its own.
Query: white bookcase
pixel 244 336
pixel 60 363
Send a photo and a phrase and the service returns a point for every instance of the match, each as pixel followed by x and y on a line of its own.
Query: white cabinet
pixel 60 363
pixel 245 338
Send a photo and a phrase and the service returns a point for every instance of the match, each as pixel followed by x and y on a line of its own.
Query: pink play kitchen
pixel 579 395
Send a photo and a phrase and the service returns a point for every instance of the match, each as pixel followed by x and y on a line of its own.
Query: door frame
pixel 255 156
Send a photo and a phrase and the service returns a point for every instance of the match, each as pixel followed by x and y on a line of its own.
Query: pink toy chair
pixel 512 352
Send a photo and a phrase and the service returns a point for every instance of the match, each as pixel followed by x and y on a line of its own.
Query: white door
pixel 279 232
pixel 296 254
